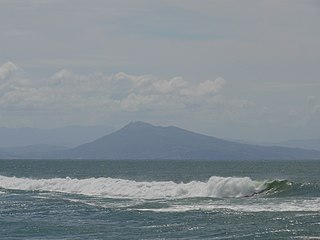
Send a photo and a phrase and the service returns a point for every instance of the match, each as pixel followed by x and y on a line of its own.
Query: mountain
pixel 5 155
pixel 66 136
pixel 311 144
pixel 37 148
pixel 306 144
pixel 139 140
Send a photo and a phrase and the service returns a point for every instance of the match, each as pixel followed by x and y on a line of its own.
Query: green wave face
pixel 285 188
pixel 277 186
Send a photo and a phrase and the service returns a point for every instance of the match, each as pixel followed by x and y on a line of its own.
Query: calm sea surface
pixel 89 199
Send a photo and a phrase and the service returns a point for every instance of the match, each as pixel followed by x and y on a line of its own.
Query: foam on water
pixel 218 187
pixel 312 205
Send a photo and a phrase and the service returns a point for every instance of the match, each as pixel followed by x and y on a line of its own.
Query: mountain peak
pixel 138 125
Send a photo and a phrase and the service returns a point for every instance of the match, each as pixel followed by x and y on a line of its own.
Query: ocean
pixel 91 199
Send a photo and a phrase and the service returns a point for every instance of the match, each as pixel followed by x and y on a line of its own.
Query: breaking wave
pixel 215 187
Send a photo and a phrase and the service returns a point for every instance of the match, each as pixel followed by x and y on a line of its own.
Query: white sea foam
pixel 312 205
pixel 219 187
pixel 308 237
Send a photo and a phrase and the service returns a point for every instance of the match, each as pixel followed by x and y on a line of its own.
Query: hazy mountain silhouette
pixel 71 136
pixel 32 149
pixel 141 140
pixel 311 144
pixel 302 143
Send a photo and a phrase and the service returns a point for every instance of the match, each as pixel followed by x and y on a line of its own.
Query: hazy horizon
pixel 240 70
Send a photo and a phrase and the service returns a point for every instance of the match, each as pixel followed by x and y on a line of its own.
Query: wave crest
pixel 217 187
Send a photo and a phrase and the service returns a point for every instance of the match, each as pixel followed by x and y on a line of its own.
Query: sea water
pixel 90 199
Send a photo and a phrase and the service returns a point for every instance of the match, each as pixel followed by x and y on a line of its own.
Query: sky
pixel 233 69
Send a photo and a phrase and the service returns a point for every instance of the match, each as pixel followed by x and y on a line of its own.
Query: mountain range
pixel 139 140
pixel 307 144
pixel 70 136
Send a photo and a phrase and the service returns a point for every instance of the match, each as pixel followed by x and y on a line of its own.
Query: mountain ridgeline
pixel 139 140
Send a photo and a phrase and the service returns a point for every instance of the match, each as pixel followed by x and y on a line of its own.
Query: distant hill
pixel 307 144
pixel 141 140
pixel 311 144
pixel 5 155
pixel 31 150
pixel 66 136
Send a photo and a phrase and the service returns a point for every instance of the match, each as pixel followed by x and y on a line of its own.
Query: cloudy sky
pixel 238 69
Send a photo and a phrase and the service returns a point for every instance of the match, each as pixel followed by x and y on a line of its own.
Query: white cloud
pixel 68 90
pixel 6 69
pixel 135 102
pixel 210 86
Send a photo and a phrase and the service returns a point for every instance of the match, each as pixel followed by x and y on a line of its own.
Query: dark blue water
pixel 78 199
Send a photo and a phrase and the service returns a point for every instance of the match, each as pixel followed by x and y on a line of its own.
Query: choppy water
pixel 77 199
